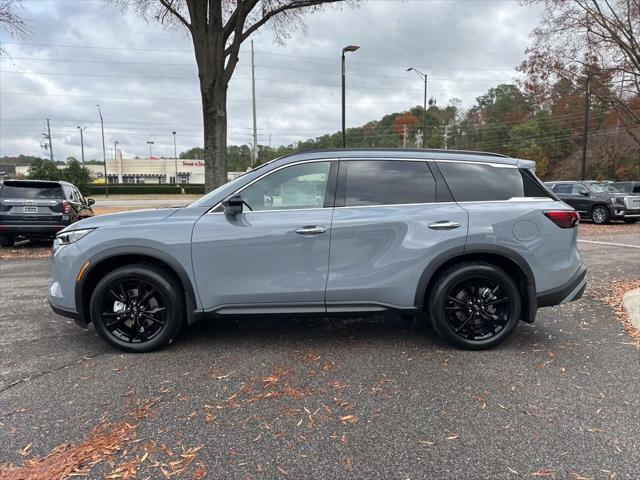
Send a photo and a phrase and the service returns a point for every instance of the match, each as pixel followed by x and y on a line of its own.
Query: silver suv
pixel 472 240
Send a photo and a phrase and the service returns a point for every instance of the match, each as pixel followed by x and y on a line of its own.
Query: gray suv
pixel 472 240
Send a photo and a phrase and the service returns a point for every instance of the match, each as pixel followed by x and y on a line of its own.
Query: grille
pixel 632 203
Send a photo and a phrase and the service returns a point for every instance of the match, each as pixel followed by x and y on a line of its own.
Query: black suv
pixel 38 209
pixel 598 201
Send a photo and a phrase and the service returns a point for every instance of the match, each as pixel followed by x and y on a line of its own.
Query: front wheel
pixel 600 215
pixel 475 306
pixel 137 308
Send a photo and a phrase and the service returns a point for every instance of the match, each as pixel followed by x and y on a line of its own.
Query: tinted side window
pixel 388 182
pixel 564 188
pixel 470 182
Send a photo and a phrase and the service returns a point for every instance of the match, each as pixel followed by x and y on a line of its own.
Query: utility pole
pixel 424 108
pixel 585 127
pixel 254 153
pixel 348 48
pixel 82 142
pixel 175 156
pixel 49 137
pixel 104 154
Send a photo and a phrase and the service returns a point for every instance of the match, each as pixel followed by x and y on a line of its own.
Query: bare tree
pixel 577 38
pixel 218 28
pixel 10 21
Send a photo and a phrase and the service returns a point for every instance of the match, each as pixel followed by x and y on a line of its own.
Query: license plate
pixel 30 210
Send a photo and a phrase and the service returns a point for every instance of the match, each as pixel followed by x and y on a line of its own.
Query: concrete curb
pixel 631 303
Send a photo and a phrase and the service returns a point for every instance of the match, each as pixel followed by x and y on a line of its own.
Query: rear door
pixel 387 227
pixel 33 203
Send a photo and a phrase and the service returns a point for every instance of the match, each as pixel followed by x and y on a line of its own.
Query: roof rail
pixel 417 150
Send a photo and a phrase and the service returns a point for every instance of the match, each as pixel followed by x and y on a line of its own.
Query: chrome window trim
pixel 367 158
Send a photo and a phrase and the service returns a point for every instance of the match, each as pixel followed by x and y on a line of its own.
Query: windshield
pixel 602 188
pixel 15 191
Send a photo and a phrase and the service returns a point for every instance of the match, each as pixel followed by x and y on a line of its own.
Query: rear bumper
pixel 570 291
pixel 49 229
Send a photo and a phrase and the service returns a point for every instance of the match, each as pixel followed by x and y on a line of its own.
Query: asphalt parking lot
pixel 297 398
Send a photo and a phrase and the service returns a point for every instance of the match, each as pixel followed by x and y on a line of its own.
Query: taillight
pixel 563 218
pixel 66 207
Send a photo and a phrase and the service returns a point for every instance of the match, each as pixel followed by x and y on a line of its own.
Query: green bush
pixel 141 189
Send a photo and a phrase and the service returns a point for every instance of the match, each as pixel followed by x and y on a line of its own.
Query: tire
pixel 600 215
pixel 630 220
pixel 137 308
pixel 491 316
pixel 6 241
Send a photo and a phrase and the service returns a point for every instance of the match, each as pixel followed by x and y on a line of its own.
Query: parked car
pixel 628 187
pixel 598 201
pixel 39 209
pixel 473 240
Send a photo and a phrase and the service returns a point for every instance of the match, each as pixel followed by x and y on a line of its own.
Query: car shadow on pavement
pixel 320 331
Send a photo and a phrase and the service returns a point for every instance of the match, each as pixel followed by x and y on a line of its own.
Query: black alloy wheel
pixel 477 308
pixel 137 308
pixel 474 305
pixel 133 310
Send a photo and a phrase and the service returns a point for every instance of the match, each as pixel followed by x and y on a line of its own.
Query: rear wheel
pixel 474 306
pixel 137 308
pixel 600 214
pixel 6 241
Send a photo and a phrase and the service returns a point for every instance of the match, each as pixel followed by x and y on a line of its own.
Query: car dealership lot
pixel 301 398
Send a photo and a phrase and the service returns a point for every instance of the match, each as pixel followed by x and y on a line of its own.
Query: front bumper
pixel 67 261
pixel 65 312
pixel 570 291
pixel 619 212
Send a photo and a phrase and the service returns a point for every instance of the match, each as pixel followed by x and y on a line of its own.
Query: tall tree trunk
pixel 214 116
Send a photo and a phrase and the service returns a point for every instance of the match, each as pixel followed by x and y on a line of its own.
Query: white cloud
pixel 144 77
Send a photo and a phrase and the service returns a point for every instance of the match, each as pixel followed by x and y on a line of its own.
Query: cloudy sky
pixel 84 52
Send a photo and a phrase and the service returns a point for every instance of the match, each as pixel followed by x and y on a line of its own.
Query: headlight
pixel 72 236
pixel 617 200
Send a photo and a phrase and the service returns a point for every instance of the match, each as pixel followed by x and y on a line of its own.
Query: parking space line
pixel 609 243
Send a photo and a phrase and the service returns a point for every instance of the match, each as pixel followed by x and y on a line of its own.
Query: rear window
pixel 28 191
pixel 388 182
pixel 471 182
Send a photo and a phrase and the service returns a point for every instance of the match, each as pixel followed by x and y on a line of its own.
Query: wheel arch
pixel 509 261
pixel 111 259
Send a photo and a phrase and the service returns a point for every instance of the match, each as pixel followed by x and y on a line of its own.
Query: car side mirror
pixel 233 205
pixel 584 193
pixel 90 201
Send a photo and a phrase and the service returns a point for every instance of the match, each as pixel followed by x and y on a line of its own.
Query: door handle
pixel 444 225
pixel 310 230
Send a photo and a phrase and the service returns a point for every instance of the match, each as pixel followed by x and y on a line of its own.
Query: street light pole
pixel 175 156
pixel 115 158
pixel 424 108
pixel 348 48
pixel 82 142
pixel 150 143
pixel 104 154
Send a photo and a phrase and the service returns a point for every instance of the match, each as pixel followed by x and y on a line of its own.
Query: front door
pixel 273 257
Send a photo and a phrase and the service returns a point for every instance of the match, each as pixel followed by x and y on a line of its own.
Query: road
pixel 374 398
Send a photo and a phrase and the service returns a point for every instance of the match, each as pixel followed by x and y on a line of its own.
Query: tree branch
pixel 168 4
pixel 283 8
